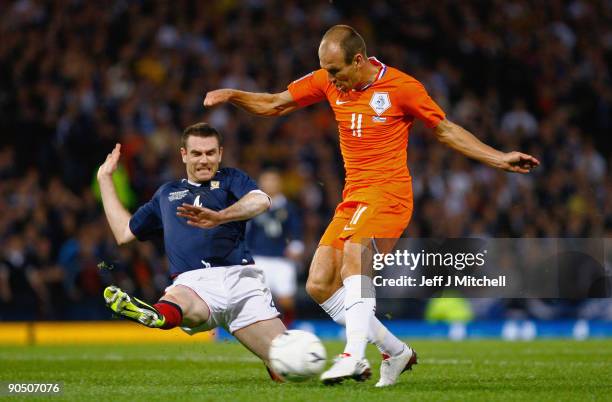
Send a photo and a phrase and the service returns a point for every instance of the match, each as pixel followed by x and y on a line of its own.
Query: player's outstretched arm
pixel 261 104
pixel 465 142
pixel 252 204
pixel 117 216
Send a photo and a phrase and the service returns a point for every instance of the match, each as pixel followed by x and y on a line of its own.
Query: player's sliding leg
pixel 258 336
pixel 179 306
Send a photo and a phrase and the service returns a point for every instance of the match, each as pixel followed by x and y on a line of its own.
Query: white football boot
pixel 392 366
pixel 346 366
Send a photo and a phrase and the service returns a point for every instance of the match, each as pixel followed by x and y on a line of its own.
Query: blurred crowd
pixel 78 76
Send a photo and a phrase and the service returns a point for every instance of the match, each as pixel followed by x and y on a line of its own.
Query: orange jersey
pixel 373 123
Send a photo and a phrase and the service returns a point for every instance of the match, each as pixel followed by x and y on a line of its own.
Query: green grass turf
pixel 447 371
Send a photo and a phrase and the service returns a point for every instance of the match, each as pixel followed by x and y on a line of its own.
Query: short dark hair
pixel 200 130
pixel 349 41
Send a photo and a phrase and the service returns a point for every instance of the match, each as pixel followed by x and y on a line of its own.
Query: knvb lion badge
pixel 214 185
pixel 380 102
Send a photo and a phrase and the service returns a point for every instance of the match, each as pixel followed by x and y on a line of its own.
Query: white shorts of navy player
pixel 233 297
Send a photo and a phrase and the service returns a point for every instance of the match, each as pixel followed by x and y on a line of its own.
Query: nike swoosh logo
pixel 348 228
pixel 341 103
pixel 349 307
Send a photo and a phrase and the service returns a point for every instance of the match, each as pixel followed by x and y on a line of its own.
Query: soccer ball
pixel 297 355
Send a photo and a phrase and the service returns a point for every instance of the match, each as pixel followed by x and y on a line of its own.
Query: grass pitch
pixel 447 371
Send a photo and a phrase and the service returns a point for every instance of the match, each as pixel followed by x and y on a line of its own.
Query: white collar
pixel 192 183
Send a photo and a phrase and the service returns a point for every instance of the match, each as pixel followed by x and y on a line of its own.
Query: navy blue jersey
pixel 269 233
pixel 189 247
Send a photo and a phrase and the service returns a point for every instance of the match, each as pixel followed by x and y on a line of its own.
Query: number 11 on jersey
pixel 356 130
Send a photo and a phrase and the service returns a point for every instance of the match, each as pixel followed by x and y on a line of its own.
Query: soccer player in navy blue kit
pixel 275 238
pixel 215 281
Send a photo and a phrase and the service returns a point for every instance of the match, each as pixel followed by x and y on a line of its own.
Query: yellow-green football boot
pixel 132 308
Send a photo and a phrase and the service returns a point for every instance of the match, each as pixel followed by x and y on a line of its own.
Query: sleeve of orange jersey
pixel 415 101
pixel 309 89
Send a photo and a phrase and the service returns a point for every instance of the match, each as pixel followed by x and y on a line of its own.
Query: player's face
pixel 340 76
pixel 202 156
pixel 344 76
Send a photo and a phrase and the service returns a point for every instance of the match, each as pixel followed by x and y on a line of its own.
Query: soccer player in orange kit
pixel 375 106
